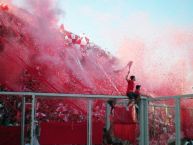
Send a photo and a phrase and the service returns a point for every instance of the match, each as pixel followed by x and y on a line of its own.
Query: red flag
pixel 129 65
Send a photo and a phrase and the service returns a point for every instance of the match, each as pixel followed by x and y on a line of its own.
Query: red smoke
pixel 34 56
pixel 164 65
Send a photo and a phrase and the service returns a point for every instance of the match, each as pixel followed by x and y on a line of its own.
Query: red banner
pixel 126 131
pixel 10 135
pixel 187 123
pixel 123 115
pixel 69 133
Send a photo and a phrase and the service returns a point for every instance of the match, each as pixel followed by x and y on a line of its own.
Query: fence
pixel 169 119
pixel 147 114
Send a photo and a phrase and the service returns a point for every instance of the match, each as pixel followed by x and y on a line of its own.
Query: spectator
pixel 107 139
pixel 137 93
pixel 112 103
pixel 137 96
pixel 130 88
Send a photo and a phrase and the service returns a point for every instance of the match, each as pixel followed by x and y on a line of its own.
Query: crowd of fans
pixel 161 125
pixel 10 114
pixel 46 110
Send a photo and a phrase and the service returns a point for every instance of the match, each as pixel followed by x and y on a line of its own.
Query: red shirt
pixel 130 86
pixel 137 92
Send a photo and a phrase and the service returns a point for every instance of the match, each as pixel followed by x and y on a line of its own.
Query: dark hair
pixel 104 129
pixel 138 87
pixel 132 77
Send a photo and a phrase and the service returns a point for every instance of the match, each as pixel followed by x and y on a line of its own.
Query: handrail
pixel 171 97
pixel 76 96
pixel 91 96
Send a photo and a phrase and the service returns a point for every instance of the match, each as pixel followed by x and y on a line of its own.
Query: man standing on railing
pixel 130 87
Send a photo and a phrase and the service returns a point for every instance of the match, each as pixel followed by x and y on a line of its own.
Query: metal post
pixel 146 122
pixel 178 121
pixel 23 121
pixel 89 123
pixel 32 119
pixel 107 119
pixel 143 122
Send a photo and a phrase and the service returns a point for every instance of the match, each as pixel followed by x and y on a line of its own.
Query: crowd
pixel 46 110
pixel 161 125
pixel 10 113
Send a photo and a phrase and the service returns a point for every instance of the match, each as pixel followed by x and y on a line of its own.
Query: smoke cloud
pixel 162 55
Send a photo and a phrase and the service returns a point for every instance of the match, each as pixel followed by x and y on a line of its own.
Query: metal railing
pixel 57 95
pixel 143 112
pixel 177 112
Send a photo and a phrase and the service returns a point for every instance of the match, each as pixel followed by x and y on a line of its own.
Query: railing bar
pixel 161 106
pixel 90 96
pixel 187 96
pixel 177 122
pixel 146 133
pixel 173 107
pixel 141 123
pixel 32 119
pixel 89 123
pixel 107 116
pixel 23 121
pixel 64 95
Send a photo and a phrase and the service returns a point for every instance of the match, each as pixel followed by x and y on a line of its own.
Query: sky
pixel 98 18
pixel 108 22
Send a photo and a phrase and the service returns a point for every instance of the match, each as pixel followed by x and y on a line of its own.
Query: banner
pixel 69 133
pixel 10 135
